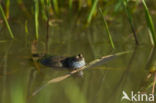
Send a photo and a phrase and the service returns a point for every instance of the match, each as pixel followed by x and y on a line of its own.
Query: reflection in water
pixel 93 63
pixel 102 82
pixel 151 66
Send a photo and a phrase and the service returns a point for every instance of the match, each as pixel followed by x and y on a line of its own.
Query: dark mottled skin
pixel 59 61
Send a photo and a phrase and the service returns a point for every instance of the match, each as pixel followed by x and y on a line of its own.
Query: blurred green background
pixel 69 27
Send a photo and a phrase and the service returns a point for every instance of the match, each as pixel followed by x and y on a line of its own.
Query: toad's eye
pixel 80 55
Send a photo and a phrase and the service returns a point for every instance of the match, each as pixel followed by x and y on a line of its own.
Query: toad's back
pixel 60 62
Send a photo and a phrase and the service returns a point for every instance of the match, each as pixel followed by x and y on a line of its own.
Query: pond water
pixel 104 83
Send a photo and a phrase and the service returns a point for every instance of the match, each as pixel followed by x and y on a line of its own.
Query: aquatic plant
pixel 130 20
pixel 150 24
pixel 92 11
pixel 6 22
pixel 55 4
pixel 36 18
pixel 107 29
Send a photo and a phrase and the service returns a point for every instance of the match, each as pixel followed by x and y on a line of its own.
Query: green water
pixel 101 84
